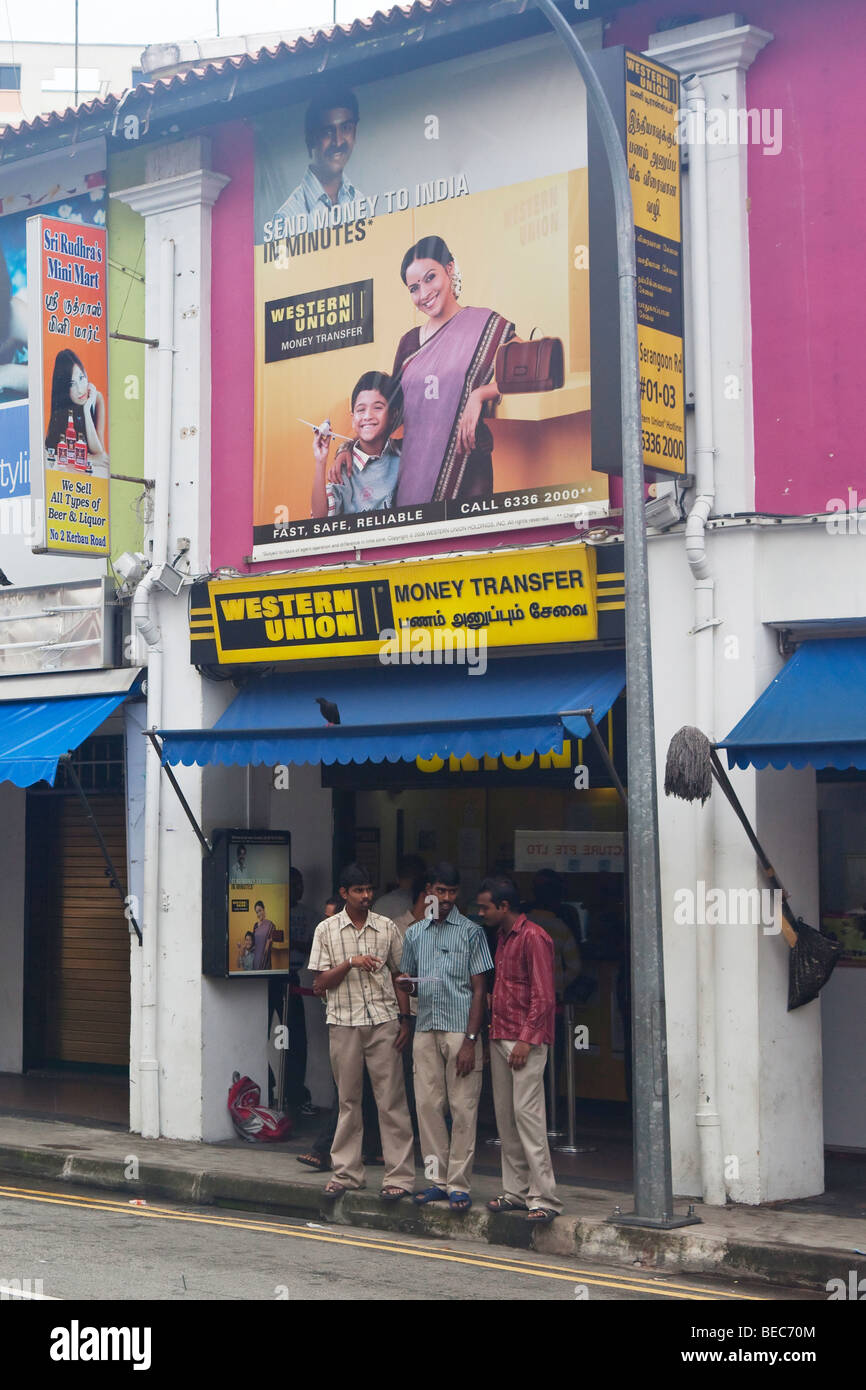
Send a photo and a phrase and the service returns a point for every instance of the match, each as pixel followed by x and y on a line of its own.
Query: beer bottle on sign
pixel 80 453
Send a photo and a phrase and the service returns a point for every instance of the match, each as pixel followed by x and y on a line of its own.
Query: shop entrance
pixel 77 986
pixel 518 816
pixel 842 861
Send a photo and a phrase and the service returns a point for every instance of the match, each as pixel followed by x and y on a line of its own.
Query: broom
pixel 692 763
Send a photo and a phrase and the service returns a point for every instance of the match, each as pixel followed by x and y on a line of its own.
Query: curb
pixel 688 1250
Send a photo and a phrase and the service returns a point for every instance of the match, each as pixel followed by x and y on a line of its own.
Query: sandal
pixel 542 1216
pixel 459 1201
pixel 394 1194
pixel 430 1194
pixel 321 1165
pixel 505 1204
pixel 333 1190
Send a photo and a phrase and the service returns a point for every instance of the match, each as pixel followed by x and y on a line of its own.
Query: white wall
pixel 792 1140
pixel 769 1062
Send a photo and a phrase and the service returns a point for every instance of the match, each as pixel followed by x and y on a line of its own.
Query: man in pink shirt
pixel 521 1031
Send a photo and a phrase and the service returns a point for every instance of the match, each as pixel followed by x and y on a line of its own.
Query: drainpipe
pixel 706 1114
pixel 145 622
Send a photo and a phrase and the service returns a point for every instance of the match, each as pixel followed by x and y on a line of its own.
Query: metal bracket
pixel 133 338
pixel 601 746
pixel 702 627
pixel 202 838
pixel 112 872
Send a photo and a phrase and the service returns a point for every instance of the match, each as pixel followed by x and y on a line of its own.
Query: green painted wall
pixel 126 360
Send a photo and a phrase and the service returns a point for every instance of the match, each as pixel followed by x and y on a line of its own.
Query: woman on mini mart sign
pixel 68 423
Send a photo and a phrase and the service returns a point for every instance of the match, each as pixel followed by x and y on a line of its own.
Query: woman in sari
pixel 445 368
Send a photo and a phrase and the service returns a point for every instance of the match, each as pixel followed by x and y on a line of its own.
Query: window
pixel 64 80
pixel 10 77
pixel 98 763
pixel 136 77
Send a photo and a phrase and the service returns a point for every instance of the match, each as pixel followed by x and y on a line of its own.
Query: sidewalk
pixel 779 1244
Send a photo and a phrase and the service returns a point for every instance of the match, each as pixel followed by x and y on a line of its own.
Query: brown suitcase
pixel 536 365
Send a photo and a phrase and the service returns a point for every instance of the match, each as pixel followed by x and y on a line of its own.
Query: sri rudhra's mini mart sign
pixel 517 599
pixel 67 277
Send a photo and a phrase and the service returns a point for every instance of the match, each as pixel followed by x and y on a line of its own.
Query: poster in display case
pixel 245 904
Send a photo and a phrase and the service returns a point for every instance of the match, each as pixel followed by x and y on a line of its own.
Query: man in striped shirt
pixel 445 961
pixel 356 956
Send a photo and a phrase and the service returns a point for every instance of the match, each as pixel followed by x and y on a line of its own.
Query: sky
pixel 161 21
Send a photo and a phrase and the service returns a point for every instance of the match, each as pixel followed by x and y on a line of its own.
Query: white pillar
pixel 191 1012
pixel 763 1052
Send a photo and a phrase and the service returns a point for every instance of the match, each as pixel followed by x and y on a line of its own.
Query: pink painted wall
pixel 808 280
pixel 807 268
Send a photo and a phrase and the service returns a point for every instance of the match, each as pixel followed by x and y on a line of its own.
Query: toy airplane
pixel 324 428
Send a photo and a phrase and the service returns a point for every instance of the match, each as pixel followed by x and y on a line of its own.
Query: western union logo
pixel 262 622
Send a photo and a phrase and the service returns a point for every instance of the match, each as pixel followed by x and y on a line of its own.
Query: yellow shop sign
pixel 516 598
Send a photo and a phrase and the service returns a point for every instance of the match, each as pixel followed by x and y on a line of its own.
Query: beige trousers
pixel 350 1049
pixel 438 1089
pixel 521 1118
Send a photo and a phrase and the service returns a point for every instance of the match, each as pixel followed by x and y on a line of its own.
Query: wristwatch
pixel 470 1037
pixel 404 1018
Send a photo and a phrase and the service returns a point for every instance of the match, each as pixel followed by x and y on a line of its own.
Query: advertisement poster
pixel 651 111
pixel 67 269
pixel 258 909
pixel 403 236
pixel 81 201
pixel 541 596
pixel 645 100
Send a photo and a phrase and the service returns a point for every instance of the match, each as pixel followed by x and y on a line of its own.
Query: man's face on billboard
pixel 333 142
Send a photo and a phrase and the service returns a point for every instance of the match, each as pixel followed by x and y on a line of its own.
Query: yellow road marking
pixel 502 1264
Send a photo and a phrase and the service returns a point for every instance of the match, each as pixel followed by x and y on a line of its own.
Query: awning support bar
pixel 112 872
pixel 202 838
pixel 602 748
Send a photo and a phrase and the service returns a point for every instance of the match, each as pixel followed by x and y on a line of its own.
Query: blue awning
pixel 392 713
pixel 35 734
pixel 812 714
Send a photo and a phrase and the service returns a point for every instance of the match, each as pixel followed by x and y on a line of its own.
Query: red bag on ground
pixel 253 1122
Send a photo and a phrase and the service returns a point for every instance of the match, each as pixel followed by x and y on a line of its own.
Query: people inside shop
pixel 445 964
pixel 356 958
pixel 363 476
pixel 550 911
pixel 422 901
pixel 402 897
pixel 297 1096
pixel 73 395
pixel 247 951
pixel 521 1031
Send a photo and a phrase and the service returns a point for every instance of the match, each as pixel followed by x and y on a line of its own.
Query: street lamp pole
pixel 653 1190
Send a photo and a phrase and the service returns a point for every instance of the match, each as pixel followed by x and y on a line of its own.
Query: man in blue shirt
pixel 330 125
pixel 446 958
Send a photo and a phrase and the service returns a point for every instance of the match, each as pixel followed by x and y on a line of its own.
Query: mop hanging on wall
pixel 692 763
